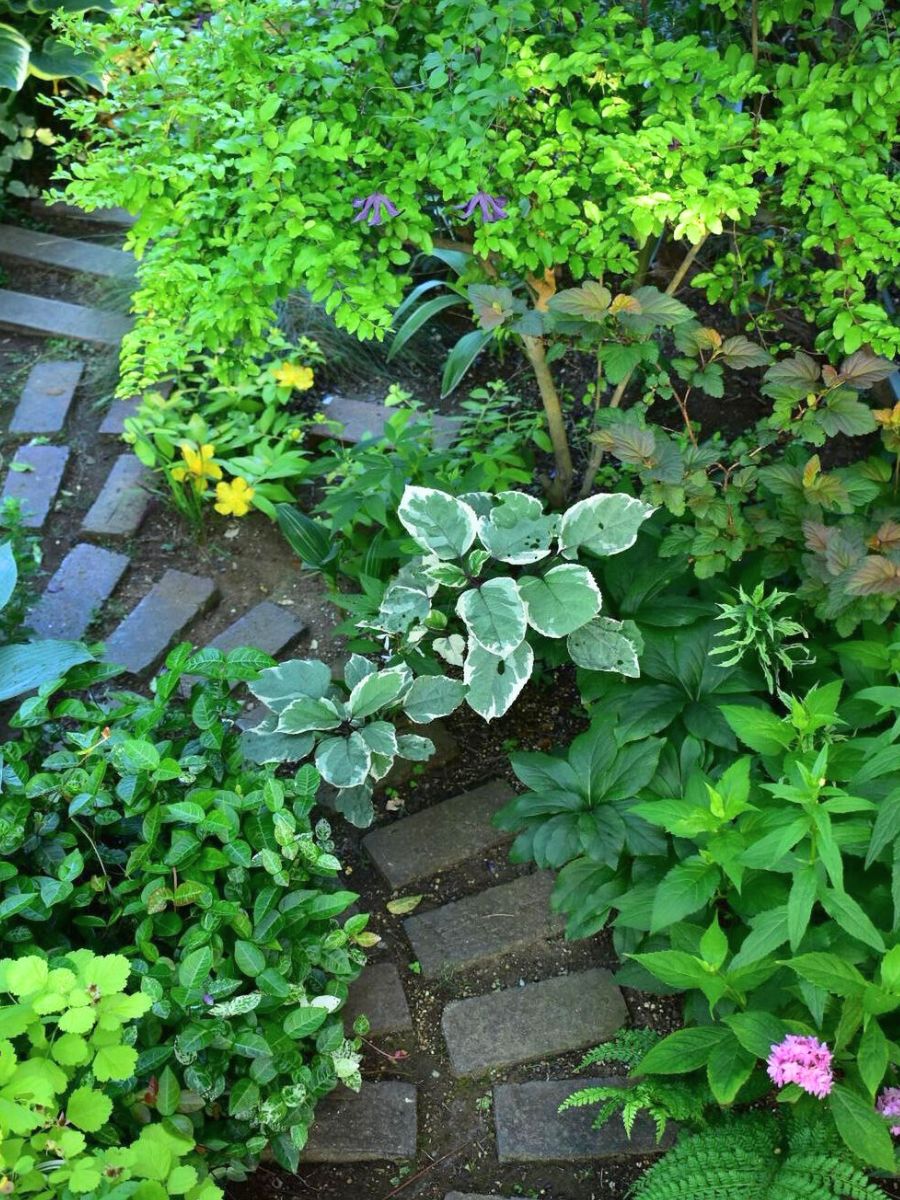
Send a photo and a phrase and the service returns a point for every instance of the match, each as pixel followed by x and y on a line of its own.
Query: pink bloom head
pixel 889 1106
pixel 802 1060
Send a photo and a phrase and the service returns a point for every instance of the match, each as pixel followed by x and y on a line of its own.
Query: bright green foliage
pixel 750 625
pixel 29 46
pixel 160 842
pixel 67 1046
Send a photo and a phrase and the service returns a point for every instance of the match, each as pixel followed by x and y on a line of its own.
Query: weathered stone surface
pixel 36 487
pixel 379 994
pixel 267 626
pixel 100 216
pixel 122 504
pixel 497 921
pixel 361 419
pixel 57 318
pixel 113 424
pixel 66 254
pixel 470 1196
pixel 86 578
pixel 378 1123
pixel 530 1127
pixel 539 1020
pixel 46 397
pixel 440 837
pixel 167 609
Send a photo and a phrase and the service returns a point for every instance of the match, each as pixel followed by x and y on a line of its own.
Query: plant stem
pixel 643 265
pixel 754 30
pixel 596 457
pixel 534 349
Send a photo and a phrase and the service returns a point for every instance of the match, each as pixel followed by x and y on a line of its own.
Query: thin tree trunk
pixel 534 349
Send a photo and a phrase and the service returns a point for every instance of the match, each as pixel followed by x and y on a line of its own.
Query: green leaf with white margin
pixel 377 691
pixel 9 573
pixel 415 748
pixel 357 669
pixel 561 601
pixel 433 696
pixel 14 54
pixel 437 522
pixel 517 529
pixel 452 649
pixel 604 524
pixel 380 737
pixel 305 714
pixel 355 804
pixel 263 744
pixel 494 682
pixel 494 615
pixel 278 686
pixel 605 645
pixel 344 762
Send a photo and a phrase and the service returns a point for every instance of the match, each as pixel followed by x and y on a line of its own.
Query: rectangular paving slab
pixel 440 837
pixel 377 1123
pixel 481 927
pixel 99 216
pixel 113 424
pixel 46 397
pixel 164 613
pixel 122 504
pixel 267 626
pixel 539 1020
pixel 66 254
pixel 378 993
pixel 58 318
pixel 36 487
pixel 361 419
pixel 471 1196
pixel 86 578
pixel 530 1127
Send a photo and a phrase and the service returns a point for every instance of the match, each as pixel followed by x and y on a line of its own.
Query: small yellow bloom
pixel 233 499
pixel 293 375
pixel 198 465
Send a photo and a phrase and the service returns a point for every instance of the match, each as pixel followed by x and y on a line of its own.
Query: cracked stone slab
pixel 376 1124
pixel 123 501
pixel 63 253
pixel 478 928
pixel 159 619
pixel 441 837
pixel 379 994
pixel 539 1020
pixel 46 397
pixel 58 318
pixel 530 1127
pixel 37 486
pixel 85 580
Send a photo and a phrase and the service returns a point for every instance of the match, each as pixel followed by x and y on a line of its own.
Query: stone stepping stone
pixel 46 397
pixel 113 424
pixel 100 216
pixel 441 837
pixel 84 581
pixel 57 318
pixel 37 486
pixel 539 1020
pixel 361 419
pixel 495 922
pixel 267 626
pixel 376 1123
pixel 123 501
pixel 530 1127
pixel 471 1196
pixel 379 994
pixel 66 254
pixel 164 613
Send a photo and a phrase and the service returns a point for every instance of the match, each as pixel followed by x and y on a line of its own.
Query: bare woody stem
pixel 596 457
pixel 544 287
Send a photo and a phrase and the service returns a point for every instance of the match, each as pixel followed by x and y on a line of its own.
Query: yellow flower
pixel 198 465
pixel 234 498
pixel 293 375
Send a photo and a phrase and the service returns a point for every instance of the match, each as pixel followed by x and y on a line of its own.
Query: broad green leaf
pixel 605 524
pixel 517 530
pixel 769 931
pixel 829 972
pixel 376 692
pixel 590 302
pixel 168 1094
pixel 88 1109
pixel 380 737
pixel 303 1021
pixel 772 847
pixel 262 744
pixel 14 55
pixel 243 1099
pixel 677 968
pixel 687 887
pixel 419 317
pixel 24 668
pixel 194 969
pixel 278 686
pixel 682 1051
pixel 886 828
pixel 861 1128
pixel 414 748
pixel 605 645
pixel 494 682
pixel 344 761
pixel 561 601
pixel 758 728
pixel 22 976
pixel 756 1031
pixel 250 959
pixel 114 1062
pixel 494 615
pixel 658 308
pixel 728 1068
pixel 873 1056
pixel 433 696
pixel 437 522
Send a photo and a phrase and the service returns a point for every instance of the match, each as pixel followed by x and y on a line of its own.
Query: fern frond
pixel 628 1046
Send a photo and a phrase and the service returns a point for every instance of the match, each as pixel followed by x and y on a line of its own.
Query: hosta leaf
pixel 560 601
pixel 343 762
pixel 494 615
pixel 14 55
pixel 517 530
pixel 605 645
pixel 437 522
pixel 494 682
pixel 433 696
pixel 604 524
pixel 24 668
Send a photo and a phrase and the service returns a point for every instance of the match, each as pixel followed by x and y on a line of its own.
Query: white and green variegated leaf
pixel 380 765
pixel 278 686
pixel 560 601
pixel 452 649
pixel 357 669
pixel 445 574
pixel 495 682
pixel 605 645
pixel 377 691
pixel 380 737
pixel 481 503
pixel 415 748
pixel 262 744
pixel 433 696
pixel 494 615
pixel 344 761
pixel 305 713
pixel 401 607
pixel 9 573
pixel 356 805
pixel 517 530
pixel 604 524
pixel 437 522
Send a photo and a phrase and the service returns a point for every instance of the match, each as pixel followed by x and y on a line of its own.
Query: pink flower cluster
pixel 802 1060
pixel 889 1106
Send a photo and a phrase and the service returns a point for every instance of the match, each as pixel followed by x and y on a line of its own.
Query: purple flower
pixel 492 208
pixel 889 1106
pixel 207 998
pixel 373 208
pixel 802 1060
